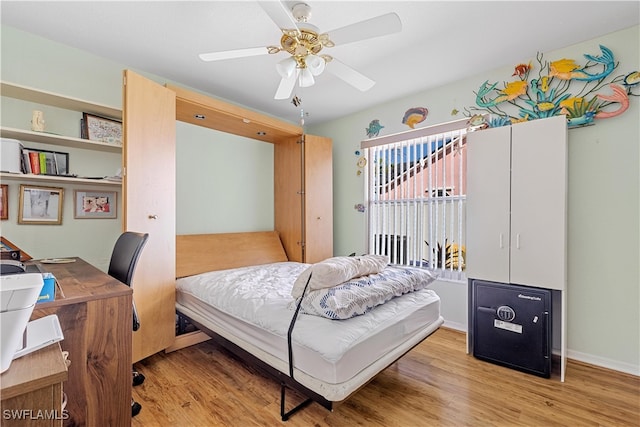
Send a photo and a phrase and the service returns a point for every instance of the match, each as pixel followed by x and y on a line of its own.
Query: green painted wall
pixel 224 183
pixel 603 197
pixel 604 187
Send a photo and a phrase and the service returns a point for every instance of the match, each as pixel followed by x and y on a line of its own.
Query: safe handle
pixel 486 310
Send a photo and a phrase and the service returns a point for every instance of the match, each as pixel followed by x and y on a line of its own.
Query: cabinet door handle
pixel 501 241
pixel 153 216
pixel 518 241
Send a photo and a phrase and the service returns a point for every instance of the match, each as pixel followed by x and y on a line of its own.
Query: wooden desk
pixel 95 314
pixel 31 389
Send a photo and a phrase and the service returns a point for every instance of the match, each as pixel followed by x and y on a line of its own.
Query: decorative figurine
pixel 37 121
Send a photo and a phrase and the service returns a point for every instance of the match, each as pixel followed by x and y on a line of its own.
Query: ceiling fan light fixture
pixel 306 78
pixel 286 68
pixel 301 12
pixel 304 43
pixel 315 64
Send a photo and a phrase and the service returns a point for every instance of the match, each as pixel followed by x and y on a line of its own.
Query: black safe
pixel 510 325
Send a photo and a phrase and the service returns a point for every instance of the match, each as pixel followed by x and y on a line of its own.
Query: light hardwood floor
pixel 436 384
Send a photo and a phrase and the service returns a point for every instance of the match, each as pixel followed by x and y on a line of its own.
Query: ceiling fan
pixel 305 43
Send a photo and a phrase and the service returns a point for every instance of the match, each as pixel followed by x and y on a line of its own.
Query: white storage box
pixel 11 155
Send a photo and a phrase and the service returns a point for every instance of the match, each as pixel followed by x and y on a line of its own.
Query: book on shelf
pixel 34 159
pixel 43 163
pixel 25 165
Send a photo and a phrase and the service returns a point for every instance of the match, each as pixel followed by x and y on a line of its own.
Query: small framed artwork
pixel 40 205
pixel 11 251
pixel 95 204
pixel 96 128
pixel 4 200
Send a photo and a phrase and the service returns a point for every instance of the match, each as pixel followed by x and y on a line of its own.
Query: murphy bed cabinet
pixel 303 195
pixel 303 201
pixel 149 206
pixel 517 208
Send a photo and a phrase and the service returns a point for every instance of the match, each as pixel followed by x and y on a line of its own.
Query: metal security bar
pixel 416 195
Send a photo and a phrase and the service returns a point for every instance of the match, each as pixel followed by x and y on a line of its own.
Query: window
pixel 416 194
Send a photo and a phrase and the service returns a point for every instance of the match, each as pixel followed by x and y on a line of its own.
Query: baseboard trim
pixel 604 362
pixel 590 359
pixel 455 325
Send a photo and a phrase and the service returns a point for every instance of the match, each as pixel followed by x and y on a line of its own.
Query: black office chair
pixel 124 258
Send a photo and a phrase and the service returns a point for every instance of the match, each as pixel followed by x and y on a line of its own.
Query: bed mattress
pixel 253 307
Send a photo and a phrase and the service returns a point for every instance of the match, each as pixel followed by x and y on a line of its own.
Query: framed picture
pixel 4 201
pixel 95 204
pixel 12 251
pixel 40 205
pixel 101 129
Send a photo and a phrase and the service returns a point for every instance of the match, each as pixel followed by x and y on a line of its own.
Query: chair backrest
pixel 125 255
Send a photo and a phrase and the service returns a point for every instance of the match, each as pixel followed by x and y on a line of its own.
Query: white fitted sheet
pixel 252 307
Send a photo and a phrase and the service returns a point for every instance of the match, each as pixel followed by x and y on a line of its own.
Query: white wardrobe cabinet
pixel 517 210
pixel 517 203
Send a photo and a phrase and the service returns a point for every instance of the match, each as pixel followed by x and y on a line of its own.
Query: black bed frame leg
pixel 285 415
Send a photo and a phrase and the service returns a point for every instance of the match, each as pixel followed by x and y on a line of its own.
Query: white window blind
pixel 416 194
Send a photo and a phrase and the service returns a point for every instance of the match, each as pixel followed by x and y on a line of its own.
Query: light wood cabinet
pixel 303 188
pixel 32 389
pixel 517 209
pixel 303 197
pixel 149 207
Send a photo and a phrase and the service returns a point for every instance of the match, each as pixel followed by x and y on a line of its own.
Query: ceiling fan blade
pixel 279 14
pixel 237 53
pixel 286 86
pixel 349 75
pixel 375 27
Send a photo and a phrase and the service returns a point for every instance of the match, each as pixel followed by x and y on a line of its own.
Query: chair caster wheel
pixel 138 378
pixel 135 408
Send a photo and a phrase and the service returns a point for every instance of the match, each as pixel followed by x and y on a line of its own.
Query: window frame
pixel 397 244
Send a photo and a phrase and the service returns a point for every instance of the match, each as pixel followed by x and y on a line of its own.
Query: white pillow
pixel 360 295
pixel 334 271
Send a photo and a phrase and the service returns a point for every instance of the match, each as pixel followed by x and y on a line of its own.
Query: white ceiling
pixel 441 41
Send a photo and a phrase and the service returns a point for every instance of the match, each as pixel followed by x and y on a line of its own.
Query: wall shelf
pixel 52 179
pixel 25 93
pixel 60 140
pixel 31 138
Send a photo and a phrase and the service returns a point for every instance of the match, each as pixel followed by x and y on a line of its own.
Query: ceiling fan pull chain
pixel 301 105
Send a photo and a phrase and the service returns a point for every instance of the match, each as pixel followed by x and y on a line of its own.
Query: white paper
pixel 39 334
